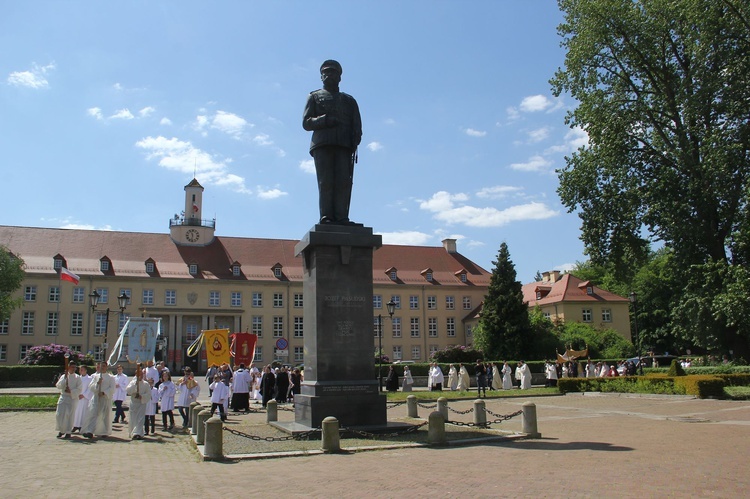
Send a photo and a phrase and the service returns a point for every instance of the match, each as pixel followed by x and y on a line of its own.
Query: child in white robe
pixel 219 395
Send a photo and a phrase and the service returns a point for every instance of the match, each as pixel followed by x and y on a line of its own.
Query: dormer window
pixel 461 274
pixel 105 265
pixel 538 295
pixel 193 269
pixel 589 290
pixel 58 263
pixel 463 277
pixel 392 273
pixel 427 273
pixel 236 270
pixel 277 271
pixel 149 267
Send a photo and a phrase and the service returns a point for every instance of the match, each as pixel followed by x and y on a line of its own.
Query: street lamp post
pixel 122 302
pixel 391 307
pixel 634 300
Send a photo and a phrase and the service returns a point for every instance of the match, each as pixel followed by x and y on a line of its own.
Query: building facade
pixel 193 280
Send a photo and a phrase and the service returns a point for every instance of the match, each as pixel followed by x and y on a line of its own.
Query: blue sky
pixel 108 108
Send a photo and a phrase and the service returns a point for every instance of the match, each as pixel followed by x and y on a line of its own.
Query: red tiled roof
pixel 568 288
pixel 129 251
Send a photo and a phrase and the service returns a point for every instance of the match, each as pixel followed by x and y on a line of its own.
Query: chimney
pixel 554 275
pixel 450 245
pixel 545 276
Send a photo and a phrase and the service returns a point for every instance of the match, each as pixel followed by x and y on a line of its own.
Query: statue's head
pixel 330 64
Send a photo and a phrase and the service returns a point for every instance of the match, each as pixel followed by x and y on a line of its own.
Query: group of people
pixel 586 369
pixel 85 401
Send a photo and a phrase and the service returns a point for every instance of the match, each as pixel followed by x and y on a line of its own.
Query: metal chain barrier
pixel 365 434
pixel 467 411
pixel 423 406
pixel 391 405
pixel 282 408
pixel 300 436
pixel 488 423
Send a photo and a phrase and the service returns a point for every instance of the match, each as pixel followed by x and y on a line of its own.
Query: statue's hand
pixel 332 121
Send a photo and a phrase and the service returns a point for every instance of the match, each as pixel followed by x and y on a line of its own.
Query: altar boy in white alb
pixel 97 420
pixel 69 385
pixel 140 396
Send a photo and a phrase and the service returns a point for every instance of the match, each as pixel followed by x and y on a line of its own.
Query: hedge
pixel 701 386
pixel 25 375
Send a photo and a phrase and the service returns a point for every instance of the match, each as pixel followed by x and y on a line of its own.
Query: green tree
pixel 504 328
pixel 11 277
pixel 662 88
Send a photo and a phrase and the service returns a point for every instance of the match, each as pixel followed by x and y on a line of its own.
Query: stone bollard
pixel 194 411
pixel 200 436
pixel 190 413
pixel 436 429
pixel 442 408
pixel 528 420
pixel 480 415
pixel 214 446
pixel 411 406
pixel 329 440
pixel 272 411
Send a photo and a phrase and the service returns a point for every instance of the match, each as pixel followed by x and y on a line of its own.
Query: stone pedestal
pixel 338 328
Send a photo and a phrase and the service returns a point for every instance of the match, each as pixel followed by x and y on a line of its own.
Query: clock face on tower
pixel 192 235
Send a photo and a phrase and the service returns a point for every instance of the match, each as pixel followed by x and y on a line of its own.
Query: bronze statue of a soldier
pixel 333 118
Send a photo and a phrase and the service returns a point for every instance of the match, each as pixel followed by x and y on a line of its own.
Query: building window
pixel 278 327
pixel 414 327
pixel 257 325
pixel 377 302
pixel 463 277
pixel 450 327
pixel 606 315
pixel 22 350
pixel 3 353
pixel 57 263
pixel 29 293
pixel 432 329
pixel 547 316
pixel 416 352
pixel 100 323
pixel 397 300
pixel 413 302
pixel 257 299
pixel 258 354
pixel 150 267
pixel 4 326
pixel 191 332
pixel 193 269
pixel 236 299
pixel 299 301
pixel 127 293
pixel 79 295
pixel 393 275
pixel 170 297
pixel 396 327
pixel 51 323
pixel 450 303
pixel 76 348
pixel 467 302
pixel 236 270
pixel 27 327
pixel 299 330
pixel 54 294
pixel 431 302
pixel 103 295
pixel 98 353
pixel 433 351
pixel 76 324
pixel 375 326
pixel 104 266
pixel 123 319
pixel 589 290
pixel 148 296
pixel 586 313
pixel 278 300
pixel 538 295
pixel 299 354
pixel 469 331
pixel 214 298
pixel 397 352
pixel 428 276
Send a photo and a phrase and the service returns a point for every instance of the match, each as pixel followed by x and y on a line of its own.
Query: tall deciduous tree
pixel 11 277
pixel 664 91
pixel 504 325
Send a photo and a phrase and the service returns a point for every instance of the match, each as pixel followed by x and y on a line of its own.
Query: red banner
pixel 243 348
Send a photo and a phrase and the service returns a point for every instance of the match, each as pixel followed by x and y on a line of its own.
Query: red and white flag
pixel 67 275
pixel 195 208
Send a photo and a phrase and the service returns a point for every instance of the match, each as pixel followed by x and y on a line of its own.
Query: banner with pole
pixel 141 333
pixel 217 346
pixel 242 348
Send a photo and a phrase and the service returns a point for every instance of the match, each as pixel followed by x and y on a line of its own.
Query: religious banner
pixel 217 346
pixel 243 348
pixel 141 333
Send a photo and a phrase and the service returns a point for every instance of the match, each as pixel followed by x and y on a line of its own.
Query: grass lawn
pixel 737 392
pixel 455 395
pixel 22 402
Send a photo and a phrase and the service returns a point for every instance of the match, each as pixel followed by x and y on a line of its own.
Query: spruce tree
pixel 504 324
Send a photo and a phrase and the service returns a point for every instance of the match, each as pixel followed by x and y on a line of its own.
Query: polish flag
pixel 67 275
pixel 195 208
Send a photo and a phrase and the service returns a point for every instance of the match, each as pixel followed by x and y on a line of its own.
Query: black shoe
pixel 67 436
pixel 114 422
pixel 59 435
pixel 88 435
pixel 124 421
pixel 76 429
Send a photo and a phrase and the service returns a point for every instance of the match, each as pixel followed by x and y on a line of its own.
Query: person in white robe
pixel 140 396
pixel 550 372
pixel 408 379
pixel 69 385
pixel 240 384
pixel 464 381
pixel 590 369
pixel 188 393
pixel 83 399
pixel 151 372
pixel 219 394
pixel 121 384
pixel 525 375
pixel 452 377
pixel 429 376
pixel 438 378
pixel 507 381
pixel 97 421
pixel 497 376
pixel 167 391
pixel 150 418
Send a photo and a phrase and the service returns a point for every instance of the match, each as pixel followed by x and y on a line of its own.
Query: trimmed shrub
pixel 675 369
pixel 701 386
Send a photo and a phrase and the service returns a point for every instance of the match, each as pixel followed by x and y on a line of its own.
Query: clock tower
pixel 189 228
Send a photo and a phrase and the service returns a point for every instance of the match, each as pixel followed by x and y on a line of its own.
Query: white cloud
pixel 375 146
pixel 538 135
pixel 534 164
pixel 475 133
pixel 182 156
pixel 575 138
pixel 263 139
pixel 95 112
pixel 35 78
pixel 264 193
pixel 512 113
pixel 146 111
pixel 307 165
pixel 498 191
pixel 229 123
pixel 407 238
pixel 165 121
pixel 78 226
pixel 390 121
pixel 122 114
pixel 443 205
pixel 565 267
pixel 535 103
pixel 200 124
pixel 118 87
pixel 442 201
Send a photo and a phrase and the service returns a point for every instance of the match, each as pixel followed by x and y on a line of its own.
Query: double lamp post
pixel 122 302
pixel 391 306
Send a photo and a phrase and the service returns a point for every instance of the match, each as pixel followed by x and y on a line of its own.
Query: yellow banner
pixel 217 346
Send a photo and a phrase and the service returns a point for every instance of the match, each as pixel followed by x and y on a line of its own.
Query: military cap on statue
pixel 330 63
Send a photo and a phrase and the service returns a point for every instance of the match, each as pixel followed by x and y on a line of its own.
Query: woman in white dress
pixel 452 377
pixel 497 377
pixel 507 381
pixel 167 392
pixel 408 379
pixel 464 382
